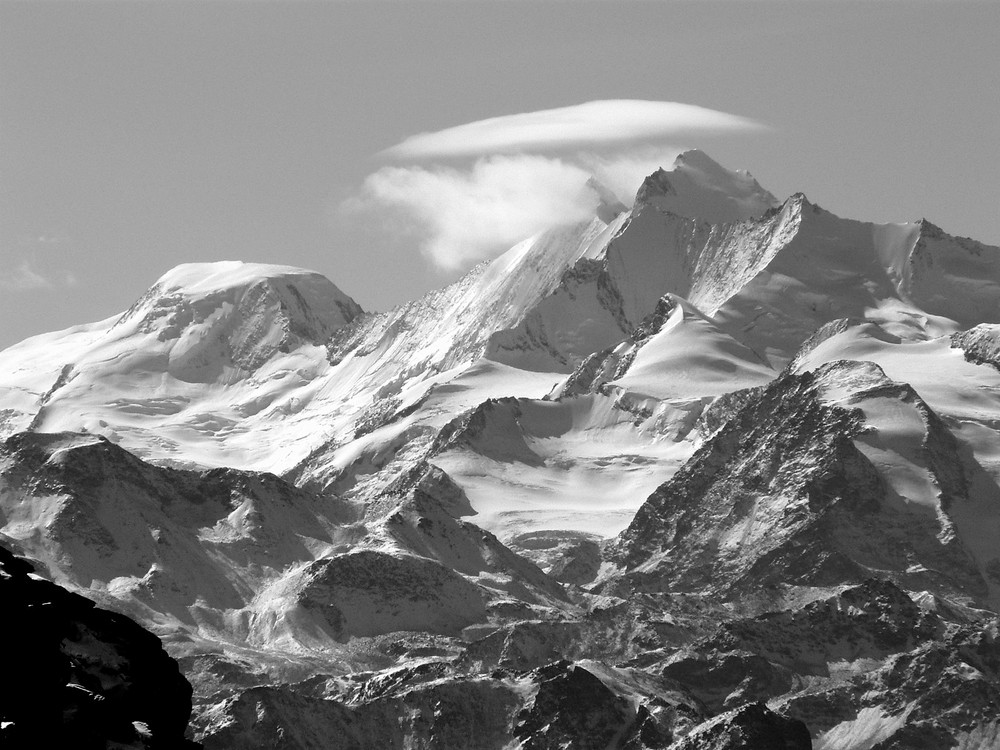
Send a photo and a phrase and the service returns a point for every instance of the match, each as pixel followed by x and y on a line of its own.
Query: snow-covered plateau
pixel 715 471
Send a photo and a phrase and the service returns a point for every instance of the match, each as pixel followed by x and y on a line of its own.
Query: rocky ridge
pixel 76 675
pixel 713 471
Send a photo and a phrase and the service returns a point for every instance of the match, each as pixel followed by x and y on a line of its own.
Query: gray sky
pixel 135 136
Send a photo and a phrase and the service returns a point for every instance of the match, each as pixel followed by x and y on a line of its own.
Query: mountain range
pixel 712 471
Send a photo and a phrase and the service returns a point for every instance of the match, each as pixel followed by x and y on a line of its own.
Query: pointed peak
pixel 697 187
pixel 929 229
pixel 655 185
pixel 800 202
pixel 697 159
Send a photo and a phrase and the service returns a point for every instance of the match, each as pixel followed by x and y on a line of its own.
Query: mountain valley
pixel 707 472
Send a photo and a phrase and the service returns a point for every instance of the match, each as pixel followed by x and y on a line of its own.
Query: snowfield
pixel 712 466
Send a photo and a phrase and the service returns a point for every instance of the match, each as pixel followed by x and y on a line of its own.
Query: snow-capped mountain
pixel 572 484
pixel 206 348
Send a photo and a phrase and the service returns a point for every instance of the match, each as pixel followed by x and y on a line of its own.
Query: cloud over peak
pixel 470 192
pixel 613 123
pixel 464 215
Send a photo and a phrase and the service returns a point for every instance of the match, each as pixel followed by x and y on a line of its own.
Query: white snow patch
pixel 866 730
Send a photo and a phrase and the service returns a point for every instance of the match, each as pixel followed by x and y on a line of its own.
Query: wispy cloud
pixel 622 172
pixel 524 173
pixel 464 215
pixel 34 264
pixel 603 123
pixel 24 278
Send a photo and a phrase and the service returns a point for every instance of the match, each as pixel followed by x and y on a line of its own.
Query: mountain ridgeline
pixel 709 472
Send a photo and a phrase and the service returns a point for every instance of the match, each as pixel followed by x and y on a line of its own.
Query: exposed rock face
pixel 785 439
pixel 405 529
pixel 785 492
pixel 194 547
pixel 610 364
pixel 980 344
pixel 369 593
pixel 747 728
pixel 559 705
pixel 79 676
pixel 409 708
pixel 943 693
pixel 425 523
pixel 250 558
pixel 491 429
pixel 571 706
pixel 573 558
pixel 757 659
pixel 588 708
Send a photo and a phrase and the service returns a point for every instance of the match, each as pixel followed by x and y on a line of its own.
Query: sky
pixel 392 145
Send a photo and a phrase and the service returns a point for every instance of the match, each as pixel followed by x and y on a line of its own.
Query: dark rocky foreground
pixel 78 676
pixel 560 705
pixel 868 667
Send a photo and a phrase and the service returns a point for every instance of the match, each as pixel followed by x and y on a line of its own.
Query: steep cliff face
pixel 500 306
pixel 951 276
pixel 79 676
pixel 698 187
pixel 818 479
pixel 980 344
pixel 686 475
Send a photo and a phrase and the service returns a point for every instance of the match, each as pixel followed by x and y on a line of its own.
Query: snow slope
pixel 712 395
pixel 194 361
pixel 271 368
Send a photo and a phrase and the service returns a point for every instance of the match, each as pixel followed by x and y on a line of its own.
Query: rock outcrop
pixel 79 676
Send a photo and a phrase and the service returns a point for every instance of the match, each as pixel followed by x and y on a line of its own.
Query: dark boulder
pixel 79 676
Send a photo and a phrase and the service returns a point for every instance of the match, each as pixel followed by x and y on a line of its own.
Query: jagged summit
pixel 656 185
pixel 698 187
pixel 360 525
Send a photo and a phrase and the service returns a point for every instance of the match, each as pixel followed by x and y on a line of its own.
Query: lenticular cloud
pixel 519 174
pixel 614 123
